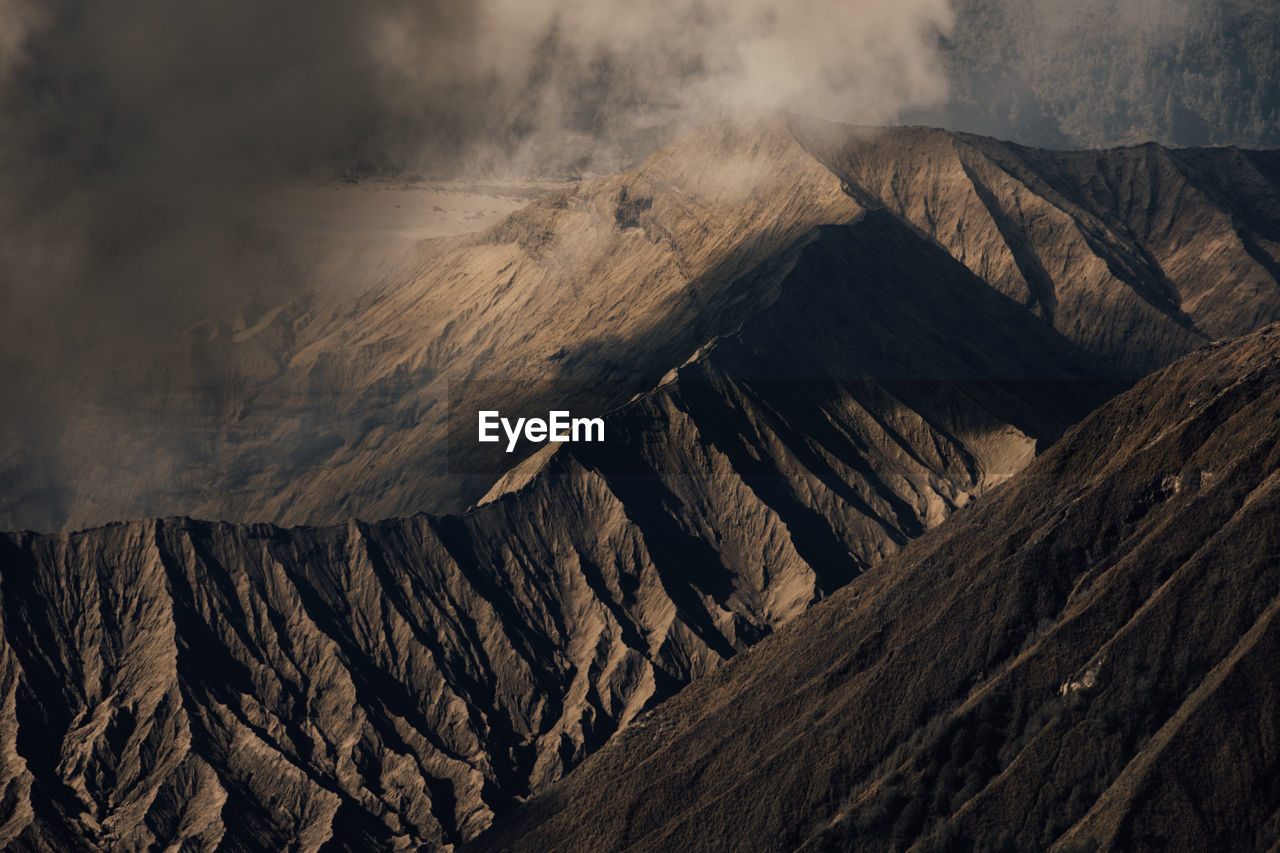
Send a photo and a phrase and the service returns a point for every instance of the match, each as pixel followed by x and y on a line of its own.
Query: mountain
pixel 807 357
pixel 1081 660
pixel 1136 254
pixel 319 409
pixel 405 680
pixel 324 405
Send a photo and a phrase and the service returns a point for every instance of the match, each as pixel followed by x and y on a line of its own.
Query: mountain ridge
pixel 625 276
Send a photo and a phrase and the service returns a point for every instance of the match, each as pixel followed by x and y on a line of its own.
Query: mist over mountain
pixel 316 407
pixel 1096 73
pixel 133 132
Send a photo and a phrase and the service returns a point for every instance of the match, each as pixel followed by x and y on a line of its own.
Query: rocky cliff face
pixel 323 408
pixel 1081 660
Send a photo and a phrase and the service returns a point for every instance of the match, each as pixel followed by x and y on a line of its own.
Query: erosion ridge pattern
pixel 1082 661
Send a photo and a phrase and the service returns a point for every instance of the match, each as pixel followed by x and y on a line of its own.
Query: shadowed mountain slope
pixel 396 684
pixel 1136 254
pixel 322 408
pixel 1084 660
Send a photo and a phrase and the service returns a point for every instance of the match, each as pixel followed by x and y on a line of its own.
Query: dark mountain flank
pixel 1083 660
pixel 332 405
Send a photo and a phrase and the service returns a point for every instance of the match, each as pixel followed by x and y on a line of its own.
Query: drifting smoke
pixel 128 129
pixel 1099 73
pixel 176 93
pixel 111 108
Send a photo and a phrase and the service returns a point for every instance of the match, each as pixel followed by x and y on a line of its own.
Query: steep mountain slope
pixel 396 684
pixel 320 408
pixel 1082 660
pixel 1171 247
